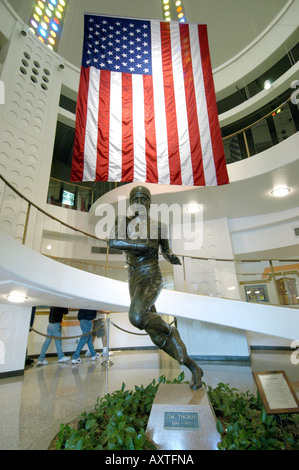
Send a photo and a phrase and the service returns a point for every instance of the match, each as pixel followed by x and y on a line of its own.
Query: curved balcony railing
pixel 274 281
pixel 253 135
pixel 279 123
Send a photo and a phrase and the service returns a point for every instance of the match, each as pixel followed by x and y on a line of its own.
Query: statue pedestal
pixel 182 419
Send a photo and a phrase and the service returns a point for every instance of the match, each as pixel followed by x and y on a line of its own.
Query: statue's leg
pixel 173 345
pixel 142 315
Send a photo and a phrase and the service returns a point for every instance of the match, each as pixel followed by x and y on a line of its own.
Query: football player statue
pixel 141 242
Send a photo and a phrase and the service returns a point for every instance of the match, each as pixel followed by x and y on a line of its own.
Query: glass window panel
pixel 284 123
pixel 48 33
pixel 286 274
pixel 255 281
pixel 261 136
pixel 173 10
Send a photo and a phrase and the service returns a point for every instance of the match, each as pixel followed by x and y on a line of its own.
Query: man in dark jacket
pixel 54 331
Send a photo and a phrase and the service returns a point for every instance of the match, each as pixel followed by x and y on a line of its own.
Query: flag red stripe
pixel 127 129
pixel 194 135
pixel 81 114
pixel 171 119
pixel 217 145
pixel 102 170
pixel 150 131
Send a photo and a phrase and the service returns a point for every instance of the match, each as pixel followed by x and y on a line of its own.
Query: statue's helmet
pixel 140 191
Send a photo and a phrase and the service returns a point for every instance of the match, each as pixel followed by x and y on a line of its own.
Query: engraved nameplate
pixel 181 420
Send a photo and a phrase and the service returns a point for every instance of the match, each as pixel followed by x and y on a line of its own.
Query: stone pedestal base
pixel 182 419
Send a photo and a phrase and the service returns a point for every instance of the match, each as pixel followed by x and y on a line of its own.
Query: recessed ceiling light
pixel 280 192
pixel 17 297
pixel 193 208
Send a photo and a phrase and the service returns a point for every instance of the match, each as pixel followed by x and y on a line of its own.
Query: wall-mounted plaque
pixel 276 392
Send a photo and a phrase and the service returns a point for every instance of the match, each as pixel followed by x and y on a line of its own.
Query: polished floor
pixel 33 406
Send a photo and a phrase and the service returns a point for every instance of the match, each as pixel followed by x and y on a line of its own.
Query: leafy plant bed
pixel 244 424
pixel 118 422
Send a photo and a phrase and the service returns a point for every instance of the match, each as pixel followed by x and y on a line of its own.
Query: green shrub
pixel 244 424
pixel 118 422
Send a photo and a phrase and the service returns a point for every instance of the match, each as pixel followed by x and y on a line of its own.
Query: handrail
pixel 47 213
pixel 236 259
pixel 71 183
pixel 257 121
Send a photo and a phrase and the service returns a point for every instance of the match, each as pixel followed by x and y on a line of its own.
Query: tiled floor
pixel 33 406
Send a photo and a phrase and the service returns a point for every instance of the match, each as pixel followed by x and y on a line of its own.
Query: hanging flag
pixel 146 109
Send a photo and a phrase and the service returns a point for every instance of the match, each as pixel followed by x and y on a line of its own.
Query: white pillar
pixel 210 278
pixel 14 329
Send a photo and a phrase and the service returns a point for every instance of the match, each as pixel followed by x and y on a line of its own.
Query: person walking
pixel 86 318
pixel 99 330
pixel 54 330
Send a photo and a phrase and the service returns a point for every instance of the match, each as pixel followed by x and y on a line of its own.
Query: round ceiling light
pixel 280 192
pixel 193 208
pixel 17 297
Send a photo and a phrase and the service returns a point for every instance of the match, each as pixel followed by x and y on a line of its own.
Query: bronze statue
pixel 145 278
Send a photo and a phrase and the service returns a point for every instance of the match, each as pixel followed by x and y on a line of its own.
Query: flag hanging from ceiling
pixel 146 109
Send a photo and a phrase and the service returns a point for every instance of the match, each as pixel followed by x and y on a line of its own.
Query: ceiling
pixel 233 24
pixel 244 198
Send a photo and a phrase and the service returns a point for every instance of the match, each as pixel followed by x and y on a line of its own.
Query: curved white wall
pixel 57 284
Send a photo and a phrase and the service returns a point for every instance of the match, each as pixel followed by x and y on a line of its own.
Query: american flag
pixel 146 109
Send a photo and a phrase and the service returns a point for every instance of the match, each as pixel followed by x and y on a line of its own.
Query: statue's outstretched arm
pixel 124 243
pixel 130 245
